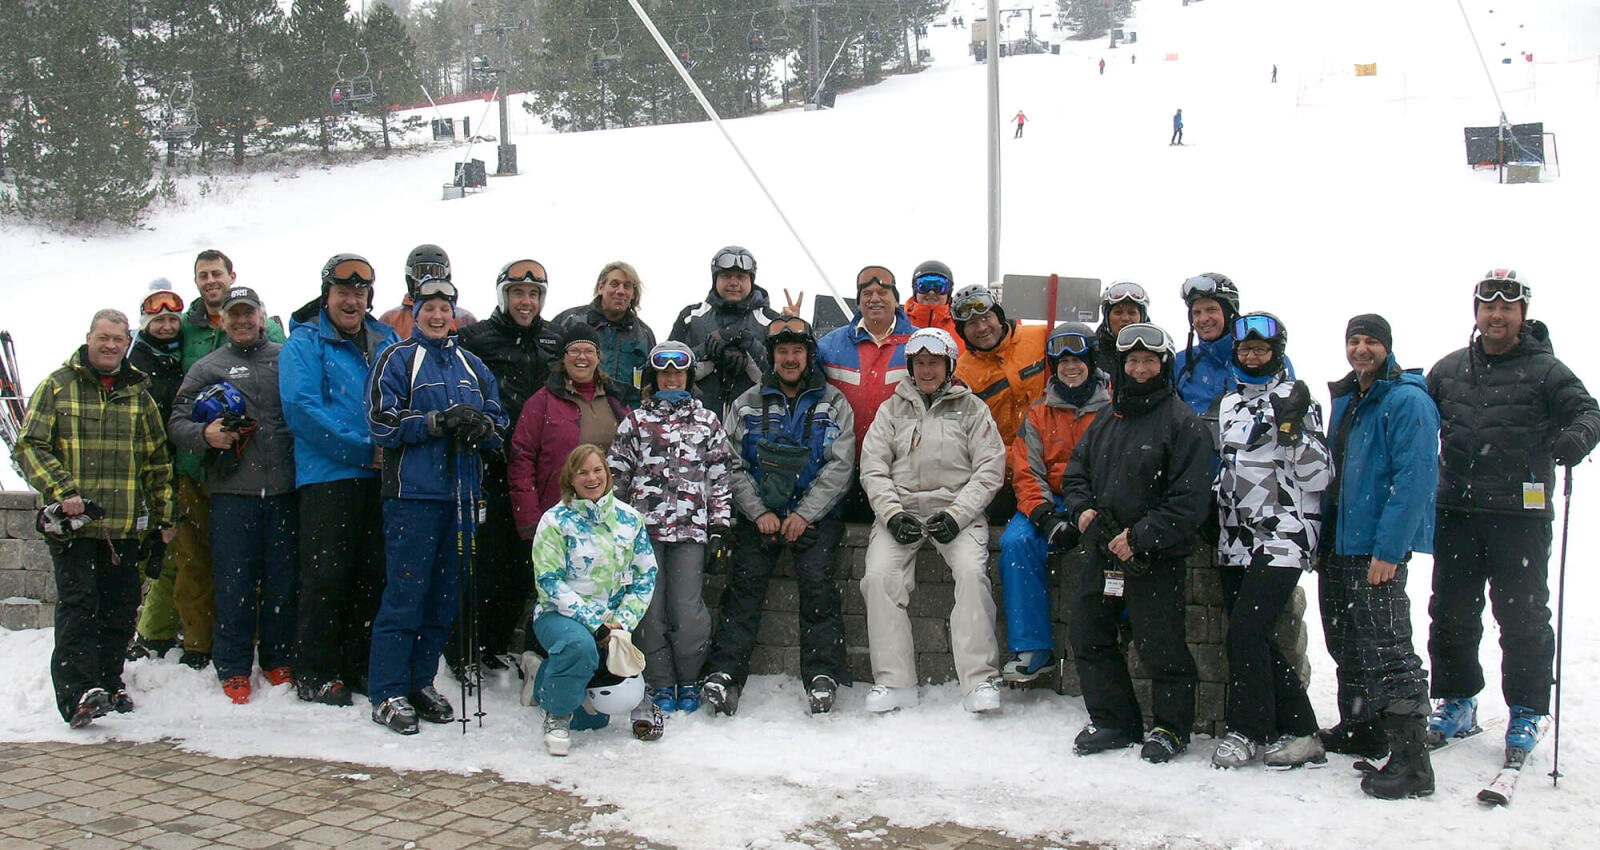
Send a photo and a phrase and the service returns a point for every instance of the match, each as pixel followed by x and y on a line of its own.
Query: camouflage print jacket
pixel 672 463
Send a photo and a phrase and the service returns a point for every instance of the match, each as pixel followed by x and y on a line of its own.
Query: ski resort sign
pixel 1073 299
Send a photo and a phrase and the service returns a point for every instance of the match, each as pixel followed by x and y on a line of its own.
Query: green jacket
pixel 200 339
pixel 110 447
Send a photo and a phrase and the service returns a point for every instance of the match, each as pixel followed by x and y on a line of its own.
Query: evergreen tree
pixel 390 49
pixel 242 63
pixel 326 43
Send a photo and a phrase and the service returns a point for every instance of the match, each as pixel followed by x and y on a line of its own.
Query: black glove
pixel 716 541
pixel 942 527
pixel 1290 413
pixel 477 429
pixel 1568 449
pixel 1059 532
pixel 731 358
pixel 905 529
pixel 152 549
pixel 806 540
pixel 714 346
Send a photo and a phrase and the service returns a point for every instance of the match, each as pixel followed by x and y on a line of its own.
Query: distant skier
pixel 1177 128
pixel 1274 73
pixel 1020 119
pixel 1102 67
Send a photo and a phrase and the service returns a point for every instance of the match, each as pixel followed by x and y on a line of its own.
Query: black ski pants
pixel 745 594
pixel 502 566
pixel 1368 631
pixel 1266 698
pixel 1510 554
pixel 1155 606
pixel 341 579
pixel 97 598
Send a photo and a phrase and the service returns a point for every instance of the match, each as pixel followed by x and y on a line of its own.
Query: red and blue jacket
pixel 865 372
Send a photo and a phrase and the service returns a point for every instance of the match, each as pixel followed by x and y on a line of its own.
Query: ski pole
pixel 1561 604
pixel 463 640
pixel 473 493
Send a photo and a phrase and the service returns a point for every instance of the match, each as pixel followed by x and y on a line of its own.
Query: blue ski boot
pixel 1522 732
pixel 1452 718
pixel 665 699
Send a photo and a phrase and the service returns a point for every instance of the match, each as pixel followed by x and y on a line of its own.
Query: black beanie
pixel 577 331
pixel 1373 325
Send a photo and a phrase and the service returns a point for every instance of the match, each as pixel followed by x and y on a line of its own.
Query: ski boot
pixel 665 699
pixel 1363 739
pixel 1523 731
pixel 883 699
pixel 821 693
pixel 649 721
pixel 431 705
pixel 1097 739
pixel 689 698
pixel 1234 750
pixel 1409 771
pixel 94 703
pixel 1161 745
pixel 557 733
pixel 721 694
pixel 1292 751
pixel 1027 666
pixel 1452 718
pixel 397 714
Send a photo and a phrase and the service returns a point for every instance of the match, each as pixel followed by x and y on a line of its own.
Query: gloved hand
pixel 905 529
pixel 806 540
pixel 716 540
pixel 152 549
pixel 1290 413
pixel 1059 532
pixel 714 346
pixel 732 355
pixel 942 527
pixel 1568 449
pixel 476 429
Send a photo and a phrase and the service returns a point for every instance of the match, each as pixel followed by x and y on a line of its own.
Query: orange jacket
pixel 934 316
pixel 1041 450
pixel 1008 377
pixel 402 321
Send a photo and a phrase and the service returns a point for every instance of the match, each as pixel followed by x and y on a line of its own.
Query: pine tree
pixel 326 42
pixel 390 49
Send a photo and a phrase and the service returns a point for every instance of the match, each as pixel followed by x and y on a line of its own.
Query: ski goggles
pixel 1259 326
pixel 157 303
pixel 1117 293
pixel 928 343
pixel 1075 344
pixel 671 360
pixel 1502 284
pixel 436 287
pixel 979 300
pixel 523 271
pixel 734 261
pixel 931 283
pixel 1199 285
pixel 788 329
pixel 423 271
pixel 352 273
pixel 1146 336
pixel 874 276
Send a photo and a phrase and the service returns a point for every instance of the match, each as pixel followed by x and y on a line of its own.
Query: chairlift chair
pixel 704 43
pixel 611 48
pixel 178 121
pixel 758 44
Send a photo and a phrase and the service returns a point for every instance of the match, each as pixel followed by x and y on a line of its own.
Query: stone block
pixel 930 567
pixel 1196 623
pixel 19 500
pixel 14 583
pixel 18 614
pixel 851 600
pixel 929 634
pixel 1210 703
pixel 782 595
pixel 775 659
pixel 860 664
pixel 779 628
pixel 935 668
pixel 856 536
pixel 932 600
pixel 41 586
pixel 19 524
pixel 855 630
pixel 1205 585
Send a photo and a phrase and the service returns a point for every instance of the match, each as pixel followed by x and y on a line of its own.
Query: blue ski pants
pixel 420 597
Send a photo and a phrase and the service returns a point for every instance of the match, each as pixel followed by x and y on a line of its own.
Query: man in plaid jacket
pixel 93 442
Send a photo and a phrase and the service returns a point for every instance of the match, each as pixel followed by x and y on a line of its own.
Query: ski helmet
pixel 1215 286
pixel 1124 290
pixel 972 299
pixel 791 329
pixel 1504 284
pixel 733 258
pixel 518 272
pixel 934 341
pixel 1267 328
pixel 668 355
pixel 350 270
pixel 1147 337
pixel 933 276
pixel 162 298
pixel 215 401
pixel 617 698
pixel 1072 338
pixel 425 261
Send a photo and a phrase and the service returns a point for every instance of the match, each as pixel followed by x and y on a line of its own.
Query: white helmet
pixel 934 341
pixel 619 698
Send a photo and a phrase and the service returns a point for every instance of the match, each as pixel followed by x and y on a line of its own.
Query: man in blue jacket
pixel 322 377
pixel 1384 430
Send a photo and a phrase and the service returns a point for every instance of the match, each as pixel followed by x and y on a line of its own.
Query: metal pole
pixel 994 141
pixel 1561 607
pixel 816 58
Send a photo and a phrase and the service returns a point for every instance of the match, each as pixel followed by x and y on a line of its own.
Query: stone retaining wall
pixel 27 578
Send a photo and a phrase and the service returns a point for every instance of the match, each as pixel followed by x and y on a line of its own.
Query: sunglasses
pixel 975 302
pixel 1067 343
pixel 931 283
pixel 1261 327
pixel 157 303
pixel 434 287
pixel 1120 292
pixel 1502 284
pixel 731 260
pixel 352 273
pixel 671 360
pixel 423 271
pixel 523 271
pixel 1145 336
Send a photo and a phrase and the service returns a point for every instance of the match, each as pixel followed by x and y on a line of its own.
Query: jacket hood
pixel 757 299
pixel 307 313
pixel 1533 339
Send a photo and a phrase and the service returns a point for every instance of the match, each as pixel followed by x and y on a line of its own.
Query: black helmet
pixel 792 329
pixel 1214 285
pixel 730 258
pixel 425 261
pixel 1266 327
pixel 350 270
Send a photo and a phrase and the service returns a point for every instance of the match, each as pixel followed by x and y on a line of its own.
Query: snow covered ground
pixel 1323 196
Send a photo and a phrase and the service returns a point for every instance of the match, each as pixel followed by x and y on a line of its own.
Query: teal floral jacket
pixel 592 561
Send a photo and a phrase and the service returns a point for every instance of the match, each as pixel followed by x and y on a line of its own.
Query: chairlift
pixel 354 91
pixel 704 43
pixel 758 44
pixel 177 117
pixel 782 33
pixel 611 48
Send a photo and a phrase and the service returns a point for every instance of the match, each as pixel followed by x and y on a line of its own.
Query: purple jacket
pixel 547 431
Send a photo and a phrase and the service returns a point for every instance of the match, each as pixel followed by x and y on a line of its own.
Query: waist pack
pixel 780 466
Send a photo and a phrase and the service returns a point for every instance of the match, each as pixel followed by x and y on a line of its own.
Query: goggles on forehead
pixel 932 282
pixel 1127 291
pixel 1199 285
pixel 523 271
pixel 423 271
pixel 671 360
pixel 1503 284
pixel 157 303
pixel 789 325
pixel 436 287
pixel 1145 336
pixel 352 273
pixel 1260 327
pixel 874 276
pixel 979 300
pixel 735 260
pixel 1075 344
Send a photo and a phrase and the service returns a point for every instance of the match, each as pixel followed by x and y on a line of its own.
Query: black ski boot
pixel 1097 739
pixel 822 692
pixel 432 706
pixel 1409 771
pixel 1363 739
pixel 397 714
pixel 95 702
pixel 721 694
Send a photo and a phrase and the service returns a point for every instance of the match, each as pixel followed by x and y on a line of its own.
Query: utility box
pixel 471 174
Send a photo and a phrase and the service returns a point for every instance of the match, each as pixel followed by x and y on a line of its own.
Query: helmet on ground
pixel 1072 338
pixel 518 272
pixel 934 341
pixel 618 698
pixel 348 270
pixel 1267 328
pixel 1216 286
pixel 733 258
pixel 668 355
pixel 426 261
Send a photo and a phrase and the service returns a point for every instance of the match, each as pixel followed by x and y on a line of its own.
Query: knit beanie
pixel 1373 325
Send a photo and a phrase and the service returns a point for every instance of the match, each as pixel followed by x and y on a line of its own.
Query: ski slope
pixel 1323 196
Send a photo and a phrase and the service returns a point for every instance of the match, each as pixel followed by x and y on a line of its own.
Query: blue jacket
pixel 411 379
pixel 1386 459
pixel 818 419
pixel 322 378
pixel 1212 376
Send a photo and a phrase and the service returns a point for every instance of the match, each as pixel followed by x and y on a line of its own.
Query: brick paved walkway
pixel 119 794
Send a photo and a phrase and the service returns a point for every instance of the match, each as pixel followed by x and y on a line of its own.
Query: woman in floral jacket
pixel 595 572
pixel 671 459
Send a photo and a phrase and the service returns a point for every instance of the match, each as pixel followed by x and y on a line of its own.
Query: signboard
pixel 1026 296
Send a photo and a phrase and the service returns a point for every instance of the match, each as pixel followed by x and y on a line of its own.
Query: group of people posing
pixel 357 498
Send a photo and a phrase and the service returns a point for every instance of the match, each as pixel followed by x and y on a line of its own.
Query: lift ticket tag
pixel 1113 583
pixel 1533 496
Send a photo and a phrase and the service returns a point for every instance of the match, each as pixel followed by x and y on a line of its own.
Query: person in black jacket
pixel 624 339
pixel 728 331
pixel 516 344
pixel 1138 486
pixel 1510 412
pixel 158 352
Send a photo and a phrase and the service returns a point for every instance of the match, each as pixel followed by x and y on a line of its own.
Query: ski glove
pixel 942 527
pixel 1568 449
pixel 1057 530
pixel 152 549
pixel 905 529
pixel 1290 412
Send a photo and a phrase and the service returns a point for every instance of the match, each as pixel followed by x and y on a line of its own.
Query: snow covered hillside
pixel 1323 195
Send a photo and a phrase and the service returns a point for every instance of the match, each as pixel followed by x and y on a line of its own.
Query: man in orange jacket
pixel 1004 364
pixel 929 304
